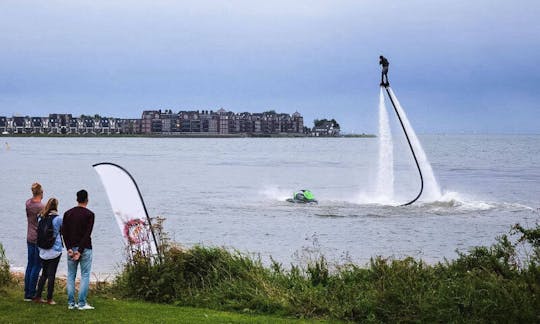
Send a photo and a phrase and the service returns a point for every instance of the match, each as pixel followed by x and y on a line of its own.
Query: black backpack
pixel 45 232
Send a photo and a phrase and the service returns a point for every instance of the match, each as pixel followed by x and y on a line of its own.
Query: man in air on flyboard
pixel 384 73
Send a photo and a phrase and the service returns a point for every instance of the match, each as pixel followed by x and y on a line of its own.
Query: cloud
pixel 319 57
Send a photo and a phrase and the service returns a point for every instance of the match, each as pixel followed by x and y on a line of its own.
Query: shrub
pixel 500 283
pixel 5 275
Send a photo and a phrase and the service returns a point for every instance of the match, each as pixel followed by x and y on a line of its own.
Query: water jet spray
pixel 384 62
pixel 387 87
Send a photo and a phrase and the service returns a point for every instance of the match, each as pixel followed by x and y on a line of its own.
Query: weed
pixel 5 275
pixel 485 284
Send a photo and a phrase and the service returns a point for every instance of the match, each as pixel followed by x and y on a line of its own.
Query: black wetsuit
pixel 384 62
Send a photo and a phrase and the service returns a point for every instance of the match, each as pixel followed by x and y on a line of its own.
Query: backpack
pixel 45 232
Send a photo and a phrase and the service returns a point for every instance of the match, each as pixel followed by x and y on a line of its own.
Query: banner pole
pixel 142 201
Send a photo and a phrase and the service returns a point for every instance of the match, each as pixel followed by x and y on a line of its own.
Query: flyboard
pixel 393 101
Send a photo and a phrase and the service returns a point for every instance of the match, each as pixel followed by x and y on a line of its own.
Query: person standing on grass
pixel 33 266
pixel 77 230
pixel 50 257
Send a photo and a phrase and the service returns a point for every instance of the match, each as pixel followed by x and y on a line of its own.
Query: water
pixel 230 192
pixel 431 191
pixel 384 191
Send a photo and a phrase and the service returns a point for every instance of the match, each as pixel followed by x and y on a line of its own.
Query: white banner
pixel 128 207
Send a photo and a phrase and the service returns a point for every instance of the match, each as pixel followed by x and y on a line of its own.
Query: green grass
pixel 495 284
pixel 111 310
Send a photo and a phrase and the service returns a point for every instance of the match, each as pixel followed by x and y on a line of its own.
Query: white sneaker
pixel 73 307
pixel 86 307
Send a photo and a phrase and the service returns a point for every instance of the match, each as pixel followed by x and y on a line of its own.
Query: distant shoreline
pixel 185 135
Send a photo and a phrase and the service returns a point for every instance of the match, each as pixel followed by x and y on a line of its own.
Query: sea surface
pixel 231 192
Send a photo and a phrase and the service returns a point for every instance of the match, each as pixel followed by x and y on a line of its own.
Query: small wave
pixel 364 198
pixel 276 193
pixel 444 204
pixel 455 200
pixel 330 215
pixel 518 206
pixel 449 201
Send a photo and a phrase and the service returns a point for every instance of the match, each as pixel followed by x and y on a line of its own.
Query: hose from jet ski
pixel 386 86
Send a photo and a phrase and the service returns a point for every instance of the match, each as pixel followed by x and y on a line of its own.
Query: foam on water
pixel 276 193
pixel 457 201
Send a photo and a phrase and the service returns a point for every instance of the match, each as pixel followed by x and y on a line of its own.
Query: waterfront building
pixel 160 122
pixel 87 125
pixel 129 126
pixel 221 122
pixel 326 128
pixel 73 126
pixel 59 123
pixel 19 125
pixel 36 125
pixel 106 126
pixel 223 126
pixel 151 121
pixel 3 125
pixel 209 122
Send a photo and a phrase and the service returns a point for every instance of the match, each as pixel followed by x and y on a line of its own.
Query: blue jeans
pixel 33 267
pixel 85 261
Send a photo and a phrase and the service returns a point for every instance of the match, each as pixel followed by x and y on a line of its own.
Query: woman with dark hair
pixel 50 257
pixel 33 207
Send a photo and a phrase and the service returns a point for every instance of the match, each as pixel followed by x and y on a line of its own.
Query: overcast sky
pixel 456 66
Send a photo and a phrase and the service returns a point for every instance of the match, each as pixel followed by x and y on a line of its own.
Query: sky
pixel 456 66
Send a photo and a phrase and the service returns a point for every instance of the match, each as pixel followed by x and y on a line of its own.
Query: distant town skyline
pixel 456 66
pixel 170 123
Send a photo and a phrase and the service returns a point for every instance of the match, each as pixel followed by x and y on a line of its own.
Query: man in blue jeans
pixel 77 230
pixel 33 267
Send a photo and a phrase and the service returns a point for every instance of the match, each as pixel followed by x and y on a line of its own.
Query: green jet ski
pixel 303 197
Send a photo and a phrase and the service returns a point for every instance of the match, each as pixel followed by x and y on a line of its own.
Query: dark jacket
pixel 77 228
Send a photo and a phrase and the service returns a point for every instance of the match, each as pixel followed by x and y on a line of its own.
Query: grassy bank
pixel 500 283
pixel 109 307
pixel 112 310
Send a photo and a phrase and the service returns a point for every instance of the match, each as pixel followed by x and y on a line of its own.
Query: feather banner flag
pixel 128 207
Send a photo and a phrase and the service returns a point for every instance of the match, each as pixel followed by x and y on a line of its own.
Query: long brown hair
pixel 52 204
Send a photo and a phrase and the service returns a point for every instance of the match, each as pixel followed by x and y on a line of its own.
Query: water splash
pixel 432 191
pixel 384 191
pixel 276 193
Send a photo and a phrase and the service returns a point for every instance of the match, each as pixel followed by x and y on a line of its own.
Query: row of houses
pixel 221 122
pixel 167 122
pixel 159 122
pixel 67 124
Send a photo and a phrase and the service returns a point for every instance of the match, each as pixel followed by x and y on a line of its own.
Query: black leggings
pixel 48 273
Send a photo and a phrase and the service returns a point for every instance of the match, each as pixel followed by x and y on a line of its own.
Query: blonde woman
pixel 33 207
pixel 50 257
